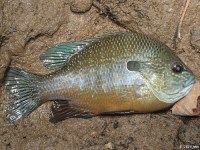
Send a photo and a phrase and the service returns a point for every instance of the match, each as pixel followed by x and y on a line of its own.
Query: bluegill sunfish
pixel 117 73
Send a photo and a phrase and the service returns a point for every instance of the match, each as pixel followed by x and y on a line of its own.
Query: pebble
pixel 80 6
pixel 108 146
pixel 94 134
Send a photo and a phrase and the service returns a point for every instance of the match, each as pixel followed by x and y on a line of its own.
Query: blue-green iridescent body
pixel 96 78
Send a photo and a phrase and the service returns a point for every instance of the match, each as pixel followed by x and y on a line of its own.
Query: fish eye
pixel 177 68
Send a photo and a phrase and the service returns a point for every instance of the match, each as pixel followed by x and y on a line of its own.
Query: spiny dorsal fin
pixel 64 109
pixel 57 56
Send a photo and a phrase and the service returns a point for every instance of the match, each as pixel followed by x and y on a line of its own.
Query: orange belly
pixel 113 101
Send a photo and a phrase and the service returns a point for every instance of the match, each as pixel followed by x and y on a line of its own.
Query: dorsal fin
pixel 57 56
pixel 64 109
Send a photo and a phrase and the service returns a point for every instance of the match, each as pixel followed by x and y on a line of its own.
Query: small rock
pixel 80 6
pixel 108 146
pixel 94 134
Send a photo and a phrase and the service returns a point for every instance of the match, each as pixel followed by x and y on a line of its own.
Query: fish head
pixel 172 82
pixel 167 77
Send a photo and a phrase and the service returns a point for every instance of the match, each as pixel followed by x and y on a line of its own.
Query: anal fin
pixel 63 109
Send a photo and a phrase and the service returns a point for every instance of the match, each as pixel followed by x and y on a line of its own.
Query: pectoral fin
pixel 64 109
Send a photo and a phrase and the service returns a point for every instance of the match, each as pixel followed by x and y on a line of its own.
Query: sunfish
pixel 117 73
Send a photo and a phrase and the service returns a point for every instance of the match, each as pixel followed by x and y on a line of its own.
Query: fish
pixel 115 74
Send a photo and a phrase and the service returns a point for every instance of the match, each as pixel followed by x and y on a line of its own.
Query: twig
pixel 181 20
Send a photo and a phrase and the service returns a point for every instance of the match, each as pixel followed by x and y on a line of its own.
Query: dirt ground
pixel 28 27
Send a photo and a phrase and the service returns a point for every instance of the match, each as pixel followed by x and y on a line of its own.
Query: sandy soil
pixel 28 27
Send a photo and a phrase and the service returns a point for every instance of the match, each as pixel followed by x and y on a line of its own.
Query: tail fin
pixel 23 92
